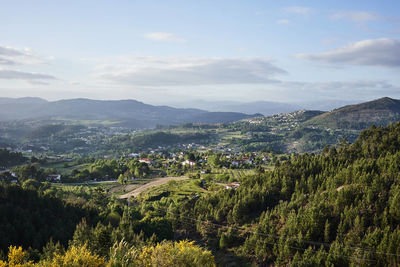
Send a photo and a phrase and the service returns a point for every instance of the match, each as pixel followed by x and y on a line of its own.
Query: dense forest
pixel 337 208
pixel 31 214
pixel 53 227
pixel 8 158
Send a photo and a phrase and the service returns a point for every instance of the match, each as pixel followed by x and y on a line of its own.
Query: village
pixel 190 162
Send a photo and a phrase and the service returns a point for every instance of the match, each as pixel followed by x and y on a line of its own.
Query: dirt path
pixel 126 188
pixel 157 182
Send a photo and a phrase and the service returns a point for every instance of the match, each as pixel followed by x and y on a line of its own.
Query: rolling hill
pixel 381 111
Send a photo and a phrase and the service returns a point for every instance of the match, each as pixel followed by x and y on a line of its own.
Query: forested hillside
pixel 340 208
pixel 31 215
pixel 45 226
pixel 8 158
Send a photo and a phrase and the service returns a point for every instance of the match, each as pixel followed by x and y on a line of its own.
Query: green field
pixel 234 173
pixel 173 190
pixel 63 167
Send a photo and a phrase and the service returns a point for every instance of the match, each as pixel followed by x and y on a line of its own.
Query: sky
pixel 162 52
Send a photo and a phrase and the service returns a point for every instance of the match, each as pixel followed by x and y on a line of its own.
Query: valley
pixel 243 189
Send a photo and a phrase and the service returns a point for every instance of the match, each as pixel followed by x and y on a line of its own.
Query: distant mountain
pixel 19 108
pixel 128 113
pixel 263 107
pixel 22 100
pixel 382 111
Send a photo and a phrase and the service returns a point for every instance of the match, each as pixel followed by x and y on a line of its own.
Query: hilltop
pixel 381 111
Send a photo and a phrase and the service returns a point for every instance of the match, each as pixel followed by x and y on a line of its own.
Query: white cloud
pixel 14 56
pixel 36 82
pixel 9 51
pixel 177 71
pixel 376 52
pixel 164 36
pixel 355 16
pixel 26 76
pixel 339 90
pixel 283 21
pixel 6 61
pixel 299 10
pixel 10 56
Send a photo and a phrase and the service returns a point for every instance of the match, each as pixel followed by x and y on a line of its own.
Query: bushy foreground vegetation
pixel 85 228
pixel 182 253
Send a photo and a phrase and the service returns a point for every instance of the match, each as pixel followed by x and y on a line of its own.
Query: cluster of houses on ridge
pixel 234 160
pixel 150 162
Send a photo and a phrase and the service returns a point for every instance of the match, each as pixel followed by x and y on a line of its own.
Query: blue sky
pixel 174 51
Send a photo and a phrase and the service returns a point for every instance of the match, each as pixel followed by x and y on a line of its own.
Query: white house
pixel 234 185
pixel 146 160
pixel 191 163
pixel 235 163
pixel 54 177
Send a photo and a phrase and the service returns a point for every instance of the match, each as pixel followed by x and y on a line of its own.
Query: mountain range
pixel 135 114
pixel 128 113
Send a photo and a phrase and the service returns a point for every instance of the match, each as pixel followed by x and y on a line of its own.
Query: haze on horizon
pixel 163 52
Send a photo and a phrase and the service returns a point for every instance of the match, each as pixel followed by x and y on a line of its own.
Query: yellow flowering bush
pixel 17 257
pixel 164 254
pixel 77 256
